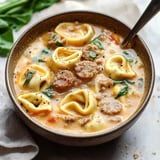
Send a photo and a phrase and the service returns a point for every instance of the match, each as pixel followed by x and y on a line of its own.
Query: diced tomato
pixel 32 114
pixel 115 37
pixel 52 120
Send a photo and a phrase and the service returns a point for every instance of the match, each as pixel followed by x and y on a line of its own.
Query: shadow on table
pixel 53 151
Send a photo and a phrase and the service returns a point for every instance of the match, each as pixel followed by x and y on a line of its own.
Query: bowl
pixel 93 18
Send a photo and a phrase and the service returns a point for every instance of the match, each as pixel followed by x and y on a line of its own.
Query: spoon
pixel 151 10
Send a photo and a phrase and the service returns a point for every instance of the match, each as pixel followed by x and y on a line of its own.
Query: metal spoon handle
pixel 150 11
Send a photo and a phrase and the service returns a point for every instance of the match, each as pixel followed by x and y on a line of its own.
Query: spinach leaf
pixel 141 79
pixel 120 82
pixel 14 14
pixel 14 10
pixel 125 82
pixel 130 82
pixel 55 39
pixel 44 4
pixel 128 57
pixel 37 59
pixel 6 6
pixel 6 40
pixel 92 54
pixel 59 43
pixel 49 92
pixel 97 42
pixel 122 92
pixel 3 24
pixel 125 52
pixel 46 51
pixel 28 77
pixel 140 83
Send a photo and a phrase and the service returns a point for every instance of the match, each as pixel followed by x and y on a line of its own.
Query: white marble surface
pixel 143 137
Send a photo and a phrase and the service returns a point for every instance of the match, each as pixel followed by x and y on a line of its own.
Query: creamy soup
pixel 76 79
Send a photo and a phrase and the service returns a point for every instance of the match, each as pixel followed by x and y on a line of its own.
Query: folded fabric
pixel 15 141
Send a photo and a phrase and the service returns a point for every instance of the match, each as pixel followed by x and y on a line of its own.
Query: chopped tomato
pixel 115 37
pixel 31 114
pixel 51 119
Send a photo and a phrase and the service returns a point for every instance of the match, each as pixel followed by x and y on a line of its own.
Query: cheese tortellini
pixel 118 68
pixel 96 124
pixel 35 102
pixel 64 58
pixel 75 33
pixel 35 78
pixel 81 102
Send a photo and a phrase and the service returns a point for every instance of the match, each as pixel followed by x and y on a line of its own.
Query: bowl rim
pixel 86 135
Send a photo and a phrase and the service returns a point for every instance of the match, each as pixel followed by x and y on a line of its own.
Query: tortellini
pixel 118 68
pixel 81 102
pixel 35 78
pixel 35 102
pixel 75 33
pixel 64 58
pixel 96 124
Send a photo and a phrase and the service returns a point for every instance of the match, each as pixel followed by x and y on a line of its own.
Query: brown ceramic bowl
pixel 93 18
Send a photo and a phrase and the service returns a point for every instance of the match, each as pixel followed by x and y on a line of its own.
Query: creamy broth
pixel 77 79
